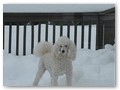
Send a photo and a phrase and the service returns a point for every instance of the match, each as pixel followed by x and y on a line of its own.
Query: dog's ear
pixel 72 51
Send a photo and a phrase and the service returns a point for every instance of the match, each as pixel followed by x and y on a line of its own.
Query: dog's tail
pixel 42 48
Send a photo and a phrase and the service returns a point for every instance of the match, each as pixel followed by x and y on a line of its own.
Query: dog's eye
pixel 65 45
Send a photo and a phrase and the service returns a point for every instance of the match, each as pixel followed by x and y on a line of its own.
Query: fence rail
pixel 100 19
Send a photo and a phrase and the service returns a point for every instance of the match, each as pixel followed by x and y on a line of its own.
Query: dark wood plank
pixel 82 38
pixel 3 35
pixel 99 34
pixel 89 37
pixel 68 30
pixel 32 38
pixel 17 40
pixel 61 30
pixel 36 17
pixel 10 37
pixel 39 32
pixel 24 40
pixel 46 33
pixel 54 33
pixel 109 32
pixel 75 33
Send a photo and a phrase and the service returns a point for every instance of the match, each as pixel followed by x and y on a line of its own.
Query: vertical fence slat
pixel 46 33
pixel 24 40
pixel 53 33
pixel 3 35
pixel 99 34
pixel 17 40
pixel 10 37
pixel 75 34
pixel 82 38
pixel 89 37
pixel 32 38
pixel 68 31
pixel 39 32
pixel 61 30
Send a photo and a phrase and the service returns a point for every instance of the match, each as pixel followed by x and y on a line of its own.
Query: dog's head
pixel 64 47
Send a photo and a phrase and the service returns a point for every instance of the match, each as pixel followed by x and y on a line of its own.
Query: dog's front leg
pixel 69 79
pixel 54 80
pixel 69 74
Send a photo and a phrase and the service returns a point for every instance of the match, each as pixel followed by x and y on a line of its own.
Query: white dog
pixel 57 59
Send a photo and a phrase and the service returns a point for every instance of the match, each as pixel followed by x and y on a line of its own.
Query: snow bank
pixel 91 68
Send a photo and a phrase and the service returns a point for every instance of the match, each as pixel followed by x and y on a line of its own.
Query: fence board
pixel 61 29
pixel 17 40
pixel 89 37
pixel 93 36
pixel 32 38
pixel 24 40
pixel 43 26
pixel 39 32
pixel 53 33
pixel 72 32
pixel 28 39
pixel 57 35
pixel 10 37
pixel 64 33
pixel 86 33
pixel 75 33
pixel 79 29
pixel 3 35
pixel 13 39
pixel 68 30
pixel 50 33
pixel 82 37
pixel 46 33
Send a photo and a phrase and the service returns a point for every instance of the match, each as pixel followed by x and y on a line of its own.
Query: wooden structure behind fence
pixel 104 21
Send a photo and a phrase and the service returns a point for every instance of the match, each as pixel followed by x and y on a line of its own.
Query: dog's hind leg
pixel 39 74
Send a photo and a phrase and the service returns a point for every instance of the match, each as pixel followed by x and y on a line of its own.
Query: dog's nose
pixel 63 51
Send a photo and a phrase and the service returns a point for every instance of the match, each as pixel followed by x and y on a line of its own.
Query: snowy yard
pixel 91 68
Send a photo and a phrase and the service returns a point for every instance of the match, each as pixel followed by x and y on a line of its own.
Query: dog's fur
pixel 57 59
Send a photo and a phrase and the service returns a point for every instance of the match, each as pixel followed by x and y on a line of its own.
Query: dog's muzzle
pixel 63 51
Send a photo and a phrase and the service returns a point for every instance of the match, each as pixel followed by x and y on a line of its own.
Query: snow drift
pixel 91 68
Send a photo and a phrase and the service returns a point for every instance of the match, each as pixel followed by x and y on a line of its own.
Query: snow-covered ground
pixel 91 68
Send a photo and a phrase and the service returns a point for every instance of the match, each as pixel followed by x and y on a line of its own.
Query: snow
pixel 91 68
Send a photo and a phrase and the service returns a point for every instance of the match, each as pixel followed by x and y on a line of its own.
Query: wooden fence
pixel 104 21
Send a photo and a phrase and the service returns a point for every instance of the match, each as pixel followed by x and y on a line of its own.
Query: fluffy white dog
pixel 57 59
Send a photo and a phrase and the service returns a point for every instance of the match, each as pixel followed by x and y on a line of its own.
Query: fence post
pixel 99 34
